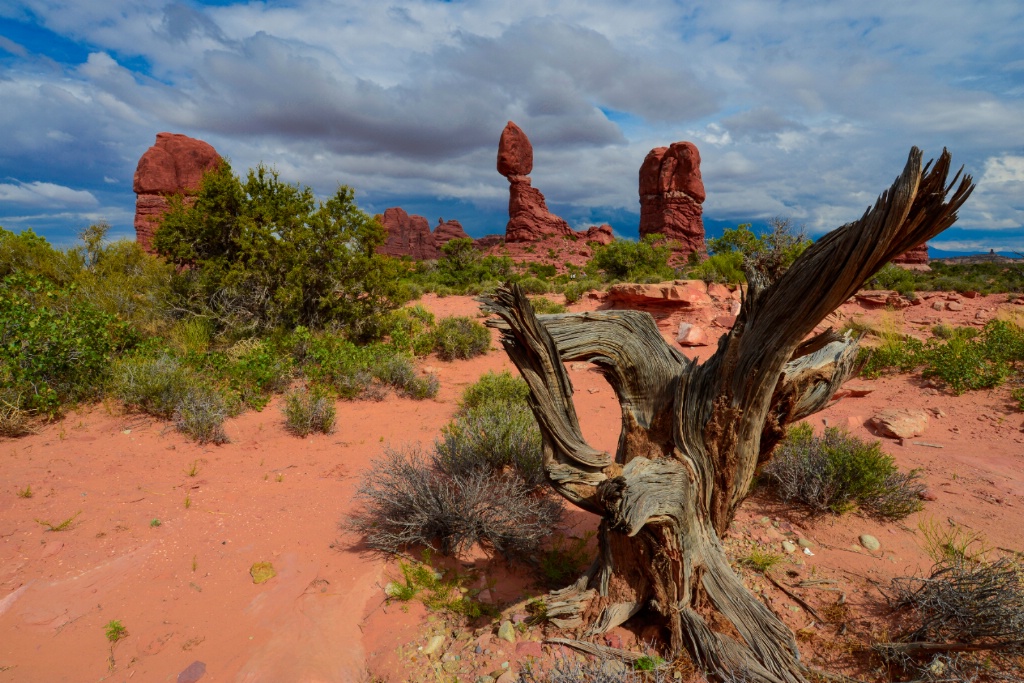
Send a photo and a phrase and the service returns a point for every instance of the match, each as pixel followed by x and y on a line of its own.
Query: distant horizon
pixel 801 112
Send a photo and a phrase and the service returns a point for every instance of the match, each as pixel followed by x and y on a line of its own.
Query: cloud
pixel 38 194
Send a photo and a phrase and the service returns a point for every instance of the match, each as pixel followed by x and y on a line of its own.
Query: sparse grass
pixel 760 560
pixel 201 415
pixel 542 305
pixel 61 526
pixel 307 411
pixel 440 591
pixel 838 472
pixel 14 420
pixel 26 492
pixel 154 523
pixel 115 630
pixel 193 469
pixel 188 501
pixel 952 543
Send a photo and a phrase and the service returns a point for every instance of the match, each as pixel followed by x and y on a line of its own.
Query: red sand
pixel 183 590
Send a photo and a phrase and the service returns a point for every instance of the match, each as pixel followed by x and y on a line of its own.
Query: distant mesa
pixel 410 235
pixel 174 165
pixel 672 195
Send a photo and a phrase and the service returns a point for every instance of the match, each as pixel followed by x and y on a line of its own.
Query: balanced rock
pixel 672 194
pixel 515 153
pixel 900 423
pixel 174 165
pixel 528 217
pixel 407 235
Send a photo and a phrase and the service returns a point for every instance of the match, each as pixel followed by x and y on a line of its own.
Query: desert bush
pixel 542 305
pixel 566 669
pixel 626 260
pixel 493 437
pixel 255 370
pixel 837 472
pixel 308 410
pixel 459 337
pixel 54 349
pixel 400 372
pixel 409 329
pixel 892 277
pixel 14 421
pixel 153 385
pixel 770 253
pixel 492 387
pixel 962 606
pixel 575 289
pixel 407 501
pixel 263 254
pixel 201 414
pixel 534 285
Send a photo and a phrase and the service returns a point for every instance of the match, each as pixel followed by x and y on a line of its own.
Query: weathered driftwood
pixel 693 434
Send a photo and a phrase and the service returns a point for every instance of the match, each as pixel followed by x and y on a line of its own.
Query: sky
pixel 804 110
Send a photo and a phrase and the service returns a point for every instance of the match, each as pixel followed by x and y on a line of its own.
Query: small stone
pixel 870 542
pixel 764 521
pixel 614 668
pixel 804 543
pixel 938 306
pixel 484 679
pixel 497 673
pixel 507 632
pixel 450 667
pixel 433 645
pixel 954 306
pixel 788 547
pixel 392 589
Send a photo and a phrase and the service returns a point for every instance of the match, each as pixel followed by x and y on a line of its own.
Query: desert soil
pixel 163 532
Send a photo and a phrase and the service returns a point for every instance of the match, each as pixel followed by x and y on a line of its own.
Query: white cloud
pixel 45 195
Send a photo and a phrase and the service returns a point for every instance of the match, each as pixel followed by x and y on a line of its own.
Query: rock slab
pixel 174 165
pixel 900 423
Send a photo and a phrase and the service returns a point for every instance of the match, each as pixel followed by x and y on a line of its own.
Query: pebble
pixel 870 542
pixel 507 632
pixel 450 667
pixel 804 543
pixel 434 645
pixel 788 547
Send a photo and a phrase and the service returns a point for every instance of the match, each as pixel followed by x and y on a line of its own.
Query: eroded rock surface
pixel 446 231
pixel 407 235
pixel 672 195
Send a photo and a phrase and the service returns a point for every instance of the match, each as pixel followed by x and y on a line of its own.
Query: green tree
pixel 645 260
pixel 738 248
pixel 264 254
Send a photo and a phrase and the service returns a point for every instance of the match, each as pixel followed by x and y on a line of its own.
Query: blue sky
pixel 803 110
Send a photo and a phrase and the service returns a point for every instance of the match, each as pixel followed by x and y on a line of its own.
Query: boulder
pixel 602 234
pixel 900 423
pixel 691 335
pixel 174 165
pixel 446 231
pixel 407 235
pixel 515 153
pixel 672 194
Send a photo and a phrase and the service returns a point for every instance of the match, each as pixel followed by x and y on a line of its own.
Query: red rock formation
pixel 918 256
pixel 528 217
pixel 175 164
pixel 407 235
pixel 446 231
pixel 515 153
pixel 602 234
pixel 671 194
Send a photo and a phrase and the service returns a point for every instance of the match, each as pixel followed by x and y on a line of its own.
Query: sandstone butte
pixel 916 258
pixel 410 235
pixel 672 194
pixel 174 165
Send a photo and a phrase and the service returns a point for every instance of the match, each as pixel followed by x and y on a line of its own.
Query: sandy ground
pixel 163 532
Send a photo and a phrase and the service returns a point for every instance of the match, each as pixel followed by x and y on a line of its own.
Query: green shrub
pixel 575 289
pixel 409 329
pixel 493 437
pixel 152 385
pixel 542 305
pixel 626 260
pixel 724 268
pixel 255 371
pixel 892 277
pixel 771 253
pixel 263 254
pixel 307 411
pixel 459 338
pixel 837 472
pixel 493 388
pixel 54 349
pixel 565 559
pixel 533 285
pixel 400 373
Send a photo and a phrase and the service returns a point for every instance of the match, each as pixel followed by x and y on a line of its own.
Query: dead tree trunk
pixel 693 435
